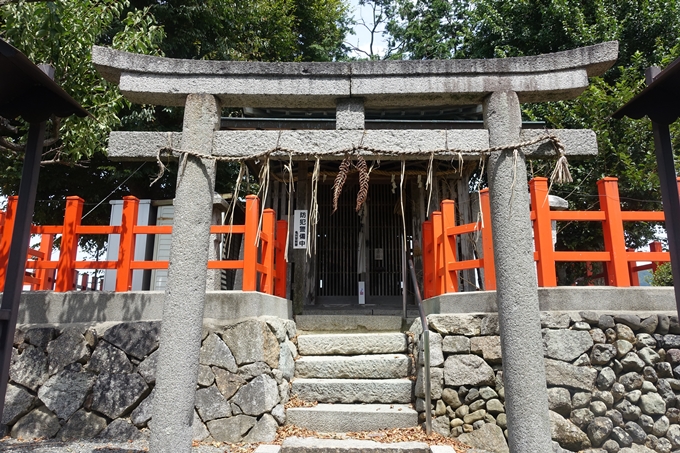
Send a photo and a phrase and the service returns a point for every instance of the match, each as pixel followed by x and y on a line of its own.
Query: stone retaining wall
pixel 79 382
pixel 613 380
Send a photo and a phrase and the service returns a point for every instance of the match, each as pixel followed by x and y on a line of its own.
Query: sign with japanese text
pixel 300 229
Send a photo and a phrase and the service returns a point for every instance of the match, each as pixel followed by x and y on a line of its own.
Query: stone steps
pixel 340 418
pixel 353 390
pixel 348 323
pixel 374 366
pixel 316 445
pixel 357 373
pixel 351 344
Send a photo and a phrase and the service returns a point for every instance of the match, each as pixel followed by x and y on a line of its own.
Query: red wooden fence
pixel 267 243
pixel 441 265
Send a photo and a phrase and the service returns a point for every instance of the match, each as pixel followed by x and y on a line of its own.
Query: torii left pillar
pixel 180 339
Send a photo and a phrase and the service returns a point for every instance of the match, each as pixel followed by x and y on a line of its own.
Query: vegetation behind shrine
pixel 315 30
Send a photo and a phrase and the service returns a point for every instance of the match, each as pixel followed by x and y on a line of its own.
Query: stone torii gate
pixel 501 85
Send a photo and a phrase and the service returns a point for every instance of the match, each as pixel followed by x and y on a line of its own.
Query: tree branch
pixel 7 2
pixel 11 146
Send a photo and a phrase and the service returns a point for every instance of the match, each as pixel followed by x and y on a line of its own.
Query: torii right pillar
pixel 526 397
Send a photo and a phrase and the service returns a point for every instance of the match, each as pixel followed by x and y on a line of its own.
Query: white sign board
pixel 300 229
pixel 362 293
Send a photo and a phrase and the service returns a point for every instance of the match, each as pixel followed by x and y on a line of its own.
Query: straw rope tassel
pixel 314 210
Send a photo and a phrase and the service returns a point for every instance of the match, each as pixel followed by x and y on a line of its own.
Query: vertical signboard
pixel 300 231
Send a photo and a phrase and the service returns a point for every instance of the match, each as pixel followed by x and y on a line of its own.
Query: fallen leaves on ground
pixel 295 401
pixel 413 434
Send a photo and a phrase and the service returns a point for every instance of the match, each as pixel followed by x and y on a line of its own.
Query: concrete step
pixel 341 418
pixel 353 390
pixel 348 323
pixel 314 445
pixel 378 366
pixel 352 343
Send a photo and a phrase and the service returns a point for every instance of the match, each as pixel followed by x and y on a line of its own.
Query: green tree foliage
pixel 662 276
pixel 256 30
pixel 62 33
pixel 648 32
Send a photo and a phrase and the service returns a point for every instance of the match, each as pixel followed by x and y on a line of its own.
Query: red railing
pixel 441 265
pixel 266 243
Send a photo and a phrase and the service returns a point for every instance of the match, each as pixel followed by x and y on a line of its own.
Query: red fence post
pixel 612 227
pixel 450 277
pixel 428 260
pixel 6 237
pixel 438 245
pixel 280 262
pixel 540 204
pixel 69 245
pixel 46 276
pixel 126 250
pixel 249 243
pixel 487 242
pixel 268 242
pixel 655 246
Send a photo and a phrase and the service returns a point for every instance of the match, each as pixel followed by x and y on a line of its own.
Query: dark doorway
pixel 359 247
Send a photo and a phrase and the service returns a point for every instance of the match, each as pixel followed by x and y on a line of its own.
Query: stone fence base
pixel 613 379
pixel 78 382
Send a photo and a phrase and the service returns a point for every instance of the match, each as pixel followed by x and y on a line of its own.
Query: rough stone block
pixel 489 437
pixel 252 341
pixel 562 374
pixel 120 430
pixel 488 347
pixel 40 422
pixel 231 429
pixel 227 383
pixel 566 345
pixel 456 344
pixel 82 425
pixel 17 403
pixel 214 352
pixel 469 325
pixel 263 431
pixel 107 358
pixel 148 368
pixel 210 404
pixel 436 383
pixel 137 339
pixel 65 392
pixel 29 368
pixel 258 396
pixel 467 370
pixel 114 394
pixel 567 434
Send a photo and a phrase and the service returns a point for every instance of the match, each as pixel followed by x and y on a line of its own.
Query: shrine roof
pixel 382 84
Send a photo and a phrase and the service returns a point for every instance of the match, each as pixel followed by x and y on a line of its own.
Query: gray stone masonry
pixel 377 366
pixel 517 298
pixel 140 146
pixel 341 418
pixel 345 344
pixel 47 307
pixel 181 332
pixel 87 400
pixel 164 81
pixel 313 445
pixel 349 114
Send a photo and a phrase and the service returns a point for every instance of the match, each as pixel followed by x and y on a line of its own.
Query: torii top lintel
pixel 381 84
